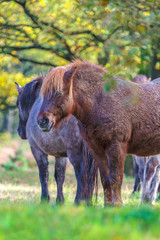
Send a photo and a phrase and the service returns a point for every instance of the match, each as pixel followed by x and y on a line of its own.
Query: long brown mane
pixel 54 79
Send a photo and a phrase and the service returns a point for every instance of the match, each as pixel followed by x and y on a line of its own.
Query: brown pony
pixel 112 123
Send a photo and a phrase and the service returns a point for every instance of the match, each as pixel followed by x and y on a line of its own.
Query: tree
pixel 141 19
pixel 121 35
pixel 8 96
pixel 8 92
pixel 56 32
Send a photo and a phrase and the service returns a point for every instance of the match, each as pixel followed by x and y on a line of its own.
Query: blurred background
pixel 123 36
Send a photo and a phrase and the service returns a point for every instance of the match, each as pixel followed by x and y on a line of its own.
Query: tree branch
pixel 36 46
pixel 23 59
pixel 96 37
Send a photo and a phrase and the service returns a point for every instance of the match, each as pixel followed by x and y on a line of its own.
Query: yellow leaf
pixel 78 19
pixel 146 13
pixel 42 3
pixel 140 6
pixel 157 66
pixel 137 59
pixel 141 28
pixel 90 26
pixel 107 65
pixel 158 55
pixel 18 44
pixel 13 52
pixel 91 13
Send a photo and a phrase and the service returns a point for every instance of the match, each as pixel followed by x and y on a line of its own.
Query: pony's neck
pixel 84 103
pixel 86 87
pixel 82 111
pixel 32 97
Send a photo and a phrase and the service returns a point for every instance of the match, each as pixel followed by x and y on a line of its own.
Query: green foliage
pixel 19 162
pixel 5 137
pixel 110 84
pixel 8 92
pixel 123 34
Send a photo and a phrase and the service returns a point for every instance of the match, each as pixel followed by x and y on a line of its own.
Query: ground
pixel 23 217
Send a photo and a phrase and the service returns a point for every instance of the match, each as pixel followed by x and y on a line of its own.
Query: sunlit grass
pixel 18 186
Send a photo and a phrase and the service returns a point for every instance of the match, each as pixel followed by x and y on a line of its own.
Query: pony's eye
pixel 58 94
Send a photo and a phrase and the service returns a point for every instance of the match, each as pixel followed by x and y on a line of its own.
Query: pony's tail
pixel 90 176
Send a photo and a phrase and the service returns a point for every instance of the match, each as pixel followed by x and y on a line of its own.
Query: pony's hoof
pixel 153 202
pixel 146 200
pixel 108 204
pixel 117 204
pixel 45 199
pixel 84 201
pixel 59 200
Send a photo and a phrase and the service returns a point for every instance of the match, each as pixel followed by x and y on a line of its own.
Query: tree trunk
pixel 5 121
pixel 10 121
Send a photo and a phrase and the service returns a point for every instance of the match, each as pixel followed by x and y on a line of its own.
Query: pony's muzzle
pixel 21 133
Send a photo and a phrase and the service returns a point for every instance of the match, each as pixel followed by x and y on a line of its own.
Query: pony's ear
pixel 36 84
pixel 68 75
pixel 18 87
pixel 149 79
pixel 50 69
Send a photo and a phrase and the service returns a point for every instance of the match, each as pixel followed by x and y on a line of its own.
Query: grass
pixel 23 217
pixel 46 222
pixel 24 186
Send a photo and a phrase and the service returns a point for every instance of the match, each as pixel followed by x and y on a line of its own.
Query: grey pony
pixel 62 143
pixel 147 169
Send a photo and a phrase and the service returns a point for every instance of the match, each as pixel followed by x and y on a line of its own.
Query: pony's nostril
pixel 43 122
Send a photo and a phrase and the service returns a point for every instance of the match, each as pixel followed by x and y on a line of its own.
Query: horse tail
pixel 90 176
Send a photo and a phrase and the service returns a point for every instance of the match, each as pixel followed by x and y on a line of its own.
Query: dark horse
pixel 63 143
pixel 113 123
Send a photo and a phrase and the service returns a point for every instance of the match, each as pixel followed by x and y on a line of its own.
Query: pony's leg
pixel 78 168
pixel 60 168
pixel 149 172
pixel 102 163
pixel 158 198
pixel 154 185
pixel 117 155
pixel 42 162
pixel 90 176
pixel 137 178
pixel 84 165
pixel 104 173
pixel 76 159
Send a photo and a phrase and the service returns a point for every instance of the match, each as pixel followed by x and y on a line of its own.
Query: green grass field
pixel 23 217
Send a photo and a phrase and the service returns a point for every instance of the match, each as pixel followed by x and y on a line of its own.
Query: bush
pixel 19 162
pixel 5 137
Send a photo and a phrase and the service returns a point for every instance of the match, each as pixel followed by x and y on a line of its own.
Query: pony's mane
pixel 54 79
